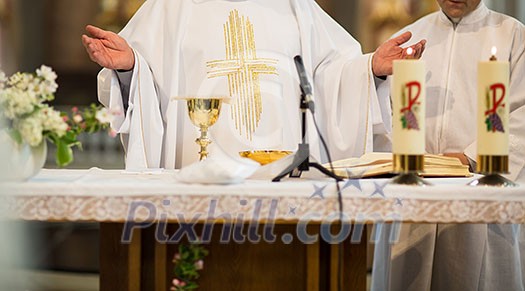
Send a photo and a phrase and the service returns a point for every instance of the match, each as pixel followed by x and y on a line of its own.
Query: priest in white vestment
pixel 243 49
pixel 461 257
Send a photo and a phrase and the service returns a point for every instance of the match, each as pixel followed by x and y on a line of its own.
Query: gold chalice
pixel 204 112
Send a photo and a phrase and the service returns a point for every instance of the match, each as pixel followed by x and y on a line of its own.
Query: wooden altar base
pixel 146 264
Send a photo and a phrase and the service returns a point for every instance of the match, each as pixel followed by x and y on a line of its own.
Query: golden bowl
pixel 264 157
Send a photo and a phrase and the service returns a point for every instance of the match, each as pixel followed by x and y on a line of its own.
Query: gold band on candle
pixel 408 163
pixel 492 165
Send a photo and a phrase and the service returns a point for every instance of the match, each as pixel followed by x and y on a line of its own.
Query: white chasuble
pixel 242 49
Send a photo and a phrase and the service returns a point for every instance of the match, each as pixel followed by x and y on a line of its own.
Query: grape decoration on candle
pixel 493 121
pixel 408 100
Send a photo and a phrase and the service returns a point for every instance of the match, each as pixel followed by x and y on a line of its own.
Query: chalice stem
pixel 203 141
pixel 203 114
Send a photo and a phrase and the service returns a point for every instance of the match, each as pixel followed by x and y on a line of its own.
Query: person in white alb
pixel 461 257
pixel 243 49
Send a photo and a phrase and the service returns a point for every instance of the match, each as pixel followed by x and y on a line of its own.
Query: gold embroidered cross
pixel 242 67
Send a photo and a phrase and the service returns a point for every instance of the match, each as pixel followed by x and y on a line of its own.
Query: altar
pixel 260 235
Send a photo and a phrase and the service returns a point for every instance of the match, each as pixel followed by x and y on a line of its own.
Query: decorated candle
pixel 408 102
pixel 493 107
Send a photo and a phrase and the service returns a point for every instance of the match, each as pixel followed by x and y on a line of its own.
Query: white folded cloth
pixel 218 168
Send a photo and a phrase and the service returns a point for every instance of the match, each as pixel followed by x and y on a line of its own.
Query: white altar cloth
pixel 106 196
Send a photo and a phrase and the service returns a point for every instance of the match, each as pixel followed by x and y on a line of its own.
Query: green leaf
pixel 15 135
pixel 185 268
pixel 191 286
pixel 69 138
pixel 64 154
pixel 404 122
pixel 489 124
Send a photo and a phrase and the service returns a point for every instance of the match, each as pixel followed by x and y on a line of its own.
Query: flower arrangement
pixel 24 105
pixel 188 261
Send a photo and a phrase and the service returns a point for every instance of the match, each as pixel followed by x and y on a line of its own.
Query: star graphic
pixel 380 190
pixel 353 182
pixel 398 201
pixel 359 175
pixel 292 210
pixel 319 191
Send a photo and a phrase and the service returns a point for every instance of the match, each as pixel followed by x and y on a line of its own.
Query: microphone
pixel 306 88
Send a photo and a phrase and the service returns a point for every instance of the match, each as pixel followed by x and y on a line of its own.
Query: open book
pixel 380 164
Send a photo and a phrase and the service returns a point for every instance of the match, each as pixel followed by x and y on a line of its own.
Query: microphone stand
pixel 301 161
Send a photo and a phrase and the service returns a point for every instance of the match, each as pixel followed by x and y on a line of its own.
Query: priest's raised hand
pixel 108 49
pixel 391 50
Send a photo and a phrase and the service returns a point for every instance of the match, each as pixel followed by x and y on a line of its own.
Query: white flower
pixel 104 116
pixel 52 121
pixel 22 100
pixel 23 81
pixel 199 265
pixel 77 118
pixel 47 88
pixel 15 78
pixel 3 79
pixel 31 130
pixel 45 85
pixel 17 102
pixel 46 73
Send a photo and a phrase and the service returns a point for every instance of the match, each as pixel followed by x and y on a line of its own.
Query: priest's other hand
pixel 382 61
pixel 108 49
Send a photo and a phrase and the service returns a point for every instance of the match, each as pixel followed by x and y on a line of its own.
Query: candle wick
pixel 493 58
